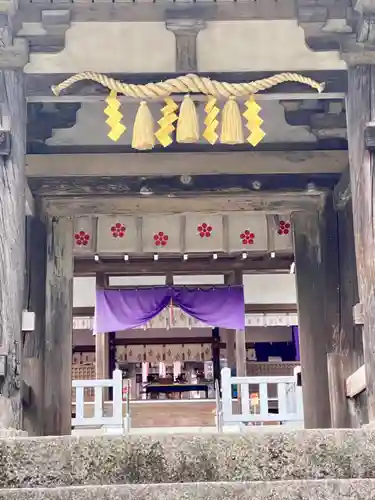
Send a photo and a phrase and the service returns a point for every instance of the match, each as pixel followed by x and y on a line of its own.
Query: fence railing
pixel 256 404
pixel 99 418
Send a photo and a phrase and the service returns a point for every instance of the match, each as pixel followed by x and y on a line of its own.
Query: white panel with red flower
pixel 204 233
pixel 280 233
pixel 161 234
pixel 118 234
pixel 247 232
pixel 84 235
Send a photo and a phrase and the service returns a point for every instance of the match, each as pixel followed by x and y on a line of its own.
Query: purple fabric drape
pixel 296 341
pixel 123 309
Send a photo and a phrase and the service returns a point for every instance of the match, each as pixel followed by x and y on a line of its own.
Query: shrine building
pixel 186 186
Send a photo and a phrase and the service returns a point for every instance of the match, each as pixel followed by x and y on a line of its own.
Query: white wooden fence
pixel 113 423
pixel 255 408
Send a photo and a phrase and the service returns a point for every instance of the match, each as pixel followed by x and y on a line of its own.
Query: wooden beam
pixel 12 240
pixel 196 185
pixel 33 349
pixel 270 308
pixel 59 327
pixel 157 12
pixel 269 202
pixel 361 111
pixel 89 267
pixel 38 86
pixel 163 164
pixel 315 240
pixel 356 382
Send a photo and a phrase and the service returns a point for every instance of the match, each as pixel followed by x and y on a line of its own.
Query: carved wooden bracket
pixel 344 27
pixel 14 56
pixel 55 23
pixel 186 31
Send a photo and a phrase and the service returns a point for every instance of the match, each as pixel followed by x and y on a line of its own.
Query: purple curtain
pixel 123 309
pixel 296 341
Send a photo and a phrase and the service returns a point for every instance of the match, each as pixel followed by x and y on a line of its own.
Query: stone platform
pixel 265 465
pixel 356 489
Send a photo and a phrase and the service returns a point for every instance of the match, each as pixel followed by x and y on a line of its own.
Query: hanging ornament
pixel 211 121
pixel 114 117
pixel 253 121
pixel 143 130
pixel 231 127
pixel 187 125
pixel 166 123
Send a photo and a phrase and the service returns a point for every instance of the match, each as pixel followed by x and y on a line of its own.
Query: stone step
pixel 267 456
pixel 327 489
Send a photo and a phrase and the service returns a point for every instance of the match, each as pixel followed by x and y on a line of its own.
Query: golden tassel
pixel 187 125
pixel 211 121
pixel 254 121
pixel 143 129
pixel 114 117
pixel 166 123
pixel 231 126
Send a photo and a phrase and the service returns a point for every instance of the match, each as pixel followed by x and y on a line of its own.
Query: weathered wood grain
pixel 315 243
pixel 269 202
pixel 150 164
pixel 59 326
pixel 12 242
pixel 360 111
pixel 349 346
pixel 134 267
pixel 33 349
pixel 193 185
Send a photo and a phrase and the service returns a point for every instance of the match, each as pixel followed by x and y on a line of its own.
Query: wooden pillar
pixel 33 348
pixel 241 369
pixel 360 111
pixel 59 326
pixel 216 353
pixel 347 351
pixel 12 237
pixel 102 356
pixel 229 337
pixel 315 240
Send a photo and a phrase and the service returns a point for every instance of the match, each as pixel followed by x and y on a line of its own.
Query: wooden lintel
pixel 150 164
pixel 279 202
pixel 14 56
pixel 370 136
pixel 193 186
pixel 356 382
pixel 89 267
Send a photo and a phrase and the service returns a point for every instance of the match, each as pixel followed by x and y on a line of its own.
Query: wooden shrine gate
pixel 69 175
